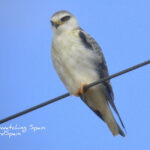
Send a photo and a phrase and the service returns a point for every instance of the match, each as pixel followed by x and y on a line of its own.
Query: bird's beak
pixel 57 23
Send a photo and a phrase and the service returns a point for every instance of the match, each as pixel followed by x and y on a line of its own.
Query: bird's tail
pixel 96 100
pixel 111 123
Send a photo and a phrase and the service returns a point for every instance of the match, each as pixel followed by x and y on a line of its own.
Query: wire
pixel 34 108
pixel 118 74
pixel 68 94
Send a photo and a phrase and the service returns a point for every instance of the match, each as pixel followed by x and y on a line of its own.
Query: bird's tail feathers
pixel 96 100
pixel 112 124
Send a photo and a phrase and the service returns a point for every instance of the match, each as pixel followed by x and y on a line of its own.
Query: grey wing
pixel 101 68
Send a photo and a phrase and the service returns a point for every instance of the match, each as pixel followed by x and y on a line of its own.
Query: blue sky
pixel 27 76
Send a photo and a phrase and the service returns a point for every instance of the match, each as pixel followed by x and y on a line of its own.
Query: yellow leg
pixel 80 90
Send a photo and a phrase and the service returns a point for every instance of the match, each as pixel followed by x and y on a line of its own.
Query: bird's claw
pixel 81 90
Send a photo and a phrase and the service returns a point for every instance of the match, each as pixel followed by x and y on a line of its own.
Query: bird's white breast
pixel 72 61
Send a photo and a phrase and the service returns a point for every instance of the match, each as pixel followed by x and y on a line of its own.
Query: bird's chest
pixel 72 61
pixel 66 46
pixel 68 51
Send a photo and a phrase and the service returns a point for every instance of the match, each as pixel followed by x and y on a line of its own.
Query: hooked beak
pixel 56 24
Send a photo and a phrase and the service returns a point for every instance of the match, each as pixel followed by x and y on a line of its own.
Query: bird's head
pixel 63 20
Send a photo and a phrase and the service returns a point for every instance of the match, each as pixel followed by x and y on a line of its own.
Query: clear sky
pixel 27 76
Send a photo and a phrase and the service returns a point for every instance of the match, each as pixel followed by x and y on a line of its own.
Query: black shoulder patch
pixel 101 68
pixel 84 40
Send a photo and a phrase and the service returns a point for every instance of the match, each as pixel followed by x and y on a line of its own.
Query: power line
pixel 34 108
pixel 68 94
pixel 118 74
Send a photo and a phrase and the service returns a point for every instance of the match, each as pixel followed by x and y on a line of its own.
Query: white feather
pixel 72 61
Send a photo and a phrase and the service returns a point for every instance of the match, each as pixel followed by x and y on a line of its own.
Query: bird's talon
pixel 81 90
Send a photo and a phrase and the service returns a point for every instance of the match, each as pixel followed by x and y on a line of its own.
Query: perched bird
pixel 79 60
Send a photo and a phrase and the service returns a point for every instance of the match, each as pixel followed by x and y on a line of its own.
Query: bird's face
pixel 62 21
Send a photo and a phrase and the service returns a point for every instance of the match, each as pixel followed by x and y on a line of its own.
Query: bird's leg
pixel 81 90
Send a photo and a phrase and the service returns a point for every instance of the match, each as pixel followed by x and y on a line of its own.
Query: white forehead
pixel 60 14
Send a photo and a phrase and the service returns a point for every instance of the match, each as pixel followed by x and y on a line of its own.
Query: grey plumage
pixel 61 12
pixel 101 68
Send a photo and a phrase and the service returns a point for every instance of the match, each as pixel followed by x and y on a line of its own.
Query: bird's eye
pixel 64 19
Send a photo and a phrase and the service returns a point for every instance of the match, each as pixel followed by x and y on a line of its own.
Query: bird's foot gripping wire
pixel 81 90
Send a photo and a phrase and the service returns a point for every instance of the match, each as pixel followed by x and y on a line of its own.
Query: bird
pixel 79 61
